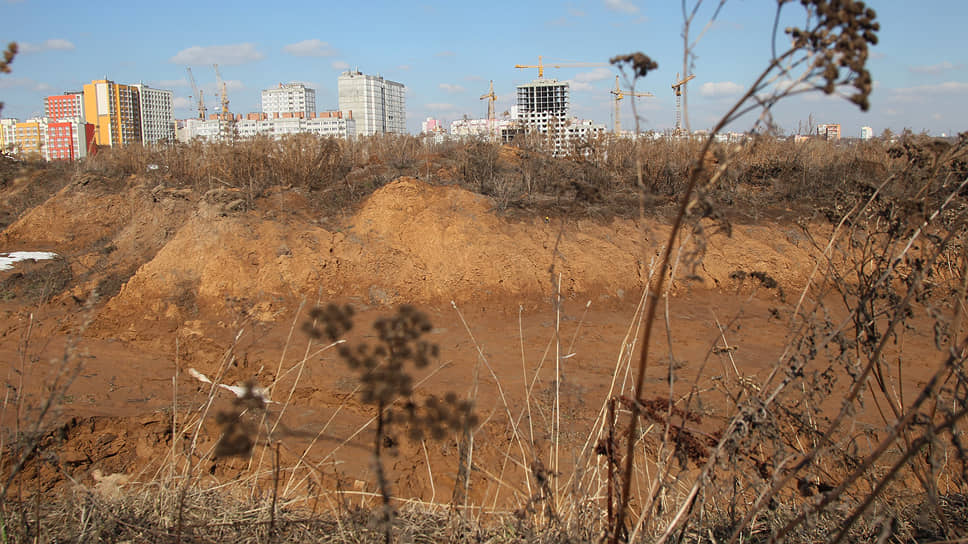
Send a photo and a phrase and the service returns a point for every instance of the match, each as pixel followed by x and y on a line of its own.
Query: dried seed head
pixel 641 63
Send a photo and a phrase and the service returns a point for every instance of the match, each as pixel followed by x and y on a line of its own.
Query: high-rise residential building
pixel 157 114
pixel 64 106
pixel 115 111
pixel 69 139
pixel 377 105
pixel 866 133
pixel 289 98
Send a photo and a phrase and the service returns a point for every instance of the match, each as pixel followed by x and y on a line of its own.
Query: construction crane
pixel 225 96
pixel 677 87
pixel 619 95
pixel 541 66
pixel 197 93
pixel 490 97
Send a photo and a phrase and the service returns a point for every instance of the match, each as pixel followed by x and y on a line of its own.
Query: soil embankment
pixel 208 281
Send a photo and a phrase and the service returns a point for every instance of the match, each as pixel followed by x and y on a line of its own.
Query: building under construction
pixel 543 107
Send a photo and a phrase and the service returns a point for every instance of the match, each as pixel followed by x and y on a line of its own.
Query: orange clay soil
pixel 189 283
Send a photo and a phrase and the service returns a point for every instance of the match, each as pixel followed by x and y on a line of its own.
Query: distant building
pixel 289 98
pixel 64 106
pixel 128 114
pixel 543 107
pixel 377 105
pixel 829 132
pixel 115 111
pixel 157 114
pixel 431 126
pixel 866 133
pixel 43 138
pixel 8 135
pixel 31 138
pixel 69 140
pixel 332 124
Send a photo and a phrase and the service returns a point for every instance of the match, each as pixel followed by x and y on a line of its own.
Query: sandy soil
pixel 188 283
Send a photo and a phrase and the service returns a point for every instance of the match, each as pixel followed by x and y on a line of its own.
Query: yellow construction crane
pixel 197 93
pixel 677 87
pixel 490 97
pixel 619 95
pixel 226 116
pixel 541 66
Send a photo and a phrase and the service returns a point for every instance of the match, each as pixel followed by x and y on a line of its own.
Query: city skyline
pixel 446 54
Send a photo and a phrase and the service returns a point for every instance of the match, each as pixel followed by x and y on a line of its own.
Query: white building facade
pixel 289 98
pixel 214 129
pixel 377 105
pixel 157 114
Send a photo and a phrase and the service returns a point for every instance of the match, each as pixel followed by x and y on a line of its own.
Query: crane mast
pixel 619 94
pixel 197 94
pixel 677 87
pixel 490 97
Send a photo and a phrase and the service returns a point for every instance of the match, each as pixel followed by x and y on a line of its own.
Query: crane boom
pixel 197 93
pixel 541 66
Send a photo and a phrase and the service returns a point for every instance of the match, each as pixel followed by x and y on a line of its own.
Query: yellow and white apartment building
pixel 115 112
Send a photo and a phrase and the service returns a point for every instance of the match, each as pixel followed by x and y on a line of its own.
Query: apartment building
pixel 377 105
pixel 69 140
pixel 30 138
pixel 8 135
pixel 157 114
pixel 115 111
pixel 289 98
pixel 69 105
pixel 331 124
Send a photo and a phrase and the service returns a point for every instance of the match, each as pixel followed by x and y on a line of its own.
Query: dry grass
pixel 831 445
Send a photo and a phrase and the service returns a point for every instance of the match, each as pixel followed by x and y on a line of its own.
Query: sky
pixel 446 53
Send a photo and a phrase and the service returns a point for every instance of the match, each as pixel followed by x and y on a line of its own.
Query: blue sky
pixel 446 52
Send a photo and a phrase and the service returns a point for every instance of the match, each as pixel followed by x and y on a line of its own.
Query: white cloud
pixel 935 69
pixel 169 83
pixel 23 83
pixel 598 74
pixel 182 102
pixel 403 67
pixel 440 106
pixel 447 87
pixel 622 6
pixel 54 44
pixel 720 88
pixel 946 88
pixel 310 48
pixel 446 54
pixel 239 53
pixel 340 65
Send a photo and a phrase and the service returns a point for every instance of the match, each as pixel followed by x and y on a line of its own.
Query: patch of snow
pixel 7 259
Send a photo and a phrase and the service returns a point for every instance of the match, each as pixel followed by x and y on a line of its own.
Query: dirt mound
pixel 168 258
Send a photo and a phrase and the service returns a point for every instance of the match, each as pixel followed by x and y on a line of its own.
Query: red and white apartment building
pixel 68 138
